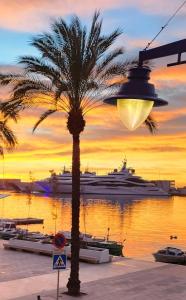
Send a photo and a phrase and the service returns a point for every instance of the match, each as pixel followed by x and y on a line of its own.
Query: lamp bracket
pixel 177 47
pixel 179 61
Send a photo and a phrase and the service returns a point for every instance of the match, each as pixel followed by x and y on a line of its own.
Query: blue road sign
pixel 59 261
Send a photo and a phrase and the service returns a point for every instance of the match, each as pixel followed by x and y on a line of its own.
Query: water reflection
pixel 145 223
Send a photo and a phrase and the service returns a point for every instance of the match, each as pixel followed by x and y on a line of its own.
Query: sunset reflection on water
pixel 145 223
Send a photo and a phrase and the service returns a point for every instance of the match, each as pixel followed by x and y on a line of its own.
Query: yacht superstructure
pixel 118 182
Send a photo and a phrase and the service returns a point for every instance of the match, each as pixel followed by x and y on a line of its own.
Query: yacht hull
pixel 104 190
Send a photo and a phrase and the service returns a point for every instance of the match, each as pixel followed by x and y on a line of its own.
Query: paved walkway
pixel 44 284
pixel 24 276
pixel 166 282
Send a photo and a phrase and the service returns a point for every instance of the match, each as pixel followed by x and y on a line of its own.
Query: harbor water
pixel 145 224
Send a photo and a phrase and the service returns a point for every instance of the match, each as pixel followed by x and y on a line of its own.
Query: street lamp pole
pixel 177 47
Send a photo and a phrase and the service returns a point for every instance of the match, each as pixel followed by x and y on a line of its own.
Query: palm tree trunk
pixel 73 284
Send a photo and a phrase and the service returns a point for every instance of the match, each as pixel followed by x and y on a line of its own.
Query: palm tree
pixel 74 67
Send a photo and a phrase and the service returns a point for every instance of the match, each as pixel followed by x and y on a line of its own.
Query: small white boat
pixel 171 255
pixel 4 196
pixel 9 230
pixel 7 225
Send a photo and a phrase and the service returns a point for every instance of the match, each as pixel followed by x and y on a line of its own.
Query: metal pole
pixel 177 47
pixel 58 284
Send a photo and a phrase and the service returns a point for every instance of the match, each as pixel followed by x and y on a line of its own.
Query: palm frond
pixel 7 135
pixel 6 79
pixel 38 66
pixel 151 124
pixel 109 59
pixel 8 111
pixel 43 117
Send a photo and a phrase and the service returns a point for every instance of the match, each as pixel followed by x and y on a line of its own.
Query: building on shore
pixel 19 186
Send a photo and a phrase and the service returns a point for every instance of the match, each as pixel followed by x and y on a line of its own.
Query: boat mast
pixel 108 233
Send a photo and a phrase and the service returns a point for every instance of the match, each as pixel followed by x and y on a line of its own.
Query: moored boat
pixel 171 255
pixel 118 182
pixel 115 248
pixel 9 230
pixel 3 196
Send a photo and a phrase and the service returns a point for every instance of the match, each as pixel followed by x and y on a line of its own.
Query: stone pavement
pixel 24 276
pixel 24 287
pixel 16 264
pixel 167 282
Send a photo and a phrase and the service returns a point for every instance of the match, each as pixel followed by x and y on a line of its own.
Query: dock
pixel 90 254
pixel 23 221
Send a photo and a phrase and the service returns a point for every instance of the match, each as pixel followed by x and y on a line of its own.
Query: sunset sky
pixel 105 141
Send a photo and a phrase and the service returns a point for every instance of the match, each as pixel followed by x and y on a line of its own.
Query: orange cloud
pixel 175 74
pixel 35 15
pixel 164 116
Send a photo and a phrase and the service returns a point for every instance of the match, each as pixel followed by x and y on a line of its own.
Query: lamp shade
pixel 136 98
pixel 133 112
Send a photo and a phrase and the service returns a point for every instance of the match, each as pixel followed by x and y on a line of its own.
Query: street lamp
pixel 137 97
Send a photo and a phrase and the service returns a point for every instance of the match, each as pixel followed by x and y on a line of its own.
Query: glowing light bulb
pixel 133 112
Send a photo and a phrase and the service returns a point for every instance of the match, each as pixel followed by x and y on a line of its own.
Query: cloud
pixel 174 75
pixel 34 15
pixel 160 149
pixel 10 69
pixel 137 43
pixel 164 116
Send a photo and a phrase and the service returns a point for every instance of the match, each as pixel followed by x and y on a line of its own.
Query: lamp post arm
pixel 178 47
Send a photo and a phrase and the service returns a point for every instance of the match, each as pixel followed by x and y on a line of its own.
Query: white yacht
pixel 118 182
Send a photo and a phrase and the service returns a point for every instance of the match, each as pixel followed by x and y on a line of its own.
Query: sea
pixel 142 224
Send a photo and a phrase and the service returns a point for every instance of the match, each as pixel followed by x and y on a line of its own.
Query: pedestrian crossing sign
pixel 59 261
